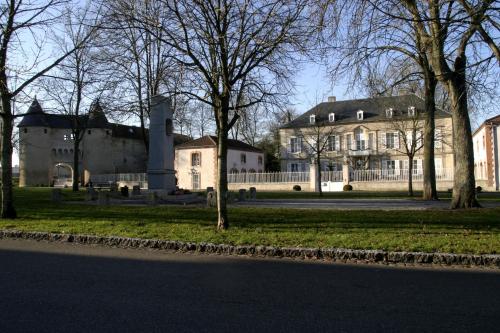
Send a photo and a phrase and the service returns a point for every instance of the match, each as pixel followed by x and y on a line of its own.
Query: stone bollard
pixel 153 198
pixel 124 191
pixel 211 199
pixel 136 190
pixel 91 194
pixel 56 195
pixel 253 193
pixel 242 194
pixel 103 198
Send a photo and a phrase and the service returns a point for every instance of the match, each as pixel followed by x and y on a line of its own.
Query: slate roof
pixel 373 110
pixel 210 141
pixel 96 118
pixel 490 121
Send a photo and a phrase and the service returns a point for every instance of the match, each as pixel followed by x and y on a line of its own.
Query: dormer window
pixel 411 111
pixel 389 112
pixel 331 117
pixel 360 115
pixel 312 119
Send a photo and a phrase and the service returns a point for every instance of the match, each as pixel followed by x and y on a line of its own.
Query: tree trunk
pixel 429 180
pixel 222 134
pixel 464 193
pixel 318 173
pixel 410 176
pixel 76 160
pixel 8 210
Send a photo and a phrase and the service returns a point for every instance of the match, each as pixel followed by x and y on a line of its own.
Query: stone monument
pixel 161 173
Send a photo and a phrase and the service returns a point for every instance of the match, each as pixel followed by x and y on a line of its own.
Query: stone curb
pixel 329 254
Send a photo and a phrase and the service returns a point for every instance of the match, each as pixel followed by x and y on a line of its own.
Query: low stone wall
pixel 330 254
pixel 270 186
pixel 397 186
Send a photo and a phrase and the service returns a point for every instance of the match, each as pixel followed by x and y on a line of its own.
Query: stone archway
pixel 62 175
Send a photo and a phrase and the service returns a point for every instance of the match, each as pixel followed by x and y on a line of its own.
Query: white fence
pixel 129 179
pixel 331 176
pixel 396 175
pixel 268 177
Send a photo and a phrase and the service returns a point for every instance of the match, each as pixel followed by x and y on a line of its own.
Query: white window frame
pixel 297 146
pixel 196 161
pixel 331 117
pixel 438 137
pixel 411 111
pixel 360 115
pixel 389 112
pixel 195 180
pixel 312 119
pixel 387 141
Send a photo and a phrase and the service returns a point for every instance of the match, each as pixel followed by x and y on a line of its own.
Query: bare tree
pixel 409 126
pixel 230 49
pixel 78 79
pixel 384 52
pixel 317 140
pixel 445 30
pixel 22 21
pixel 137 55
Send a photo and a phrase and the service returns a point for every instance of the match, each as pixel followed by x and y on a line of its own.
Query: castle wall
pixel 41 149
pixel 34 156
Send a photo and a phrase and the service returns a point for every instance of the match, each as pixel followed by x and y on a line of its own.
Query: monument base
pixel 163 180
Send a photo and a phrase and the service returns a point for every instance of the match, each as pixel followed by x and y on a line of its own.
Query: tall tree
pixel 379 45
pixel 230 49
pixel 136 53
pixel 318 138
pixel 22 22
pixel 409 126
pixel 78 79
pixel 451 33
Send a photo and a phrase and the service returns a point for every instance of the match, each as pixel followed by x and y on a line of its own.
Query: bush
pixel 347 188
pixel 479 189
pixel 297 188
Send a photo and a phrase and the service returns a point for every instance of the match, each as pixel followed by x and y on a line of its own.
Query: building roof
pixel 96 116
pixel 490 121
pixel 210 141
pixel 36 117
pixel 373 110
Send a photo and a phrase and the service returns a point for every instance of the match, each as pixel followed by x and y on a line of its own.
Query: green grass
pixel 473 231
pixel 365 195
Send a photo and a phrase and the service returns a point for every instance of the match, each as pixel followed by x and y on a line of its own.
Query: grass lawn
pixel 365 195
pixel 472 231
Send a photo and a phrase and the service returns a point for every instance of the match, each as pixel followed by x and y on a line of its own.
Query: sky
pixel 312 86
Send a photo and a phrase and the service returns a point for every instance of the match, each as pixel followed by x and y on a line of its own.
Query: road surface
pixel 55 287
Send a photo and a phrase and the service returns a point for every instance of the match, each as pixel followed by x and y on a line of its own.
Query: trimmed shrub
pixel 479 189
pixel 297 188
pixel 347 188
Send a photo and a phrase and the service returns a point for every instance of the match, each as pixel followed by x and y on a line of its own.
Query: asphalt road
pixel 377 204
pixel 48 287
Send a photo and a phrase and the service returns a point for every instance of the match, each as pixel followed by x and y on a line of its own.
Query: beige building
pixel 486 141
pixel 46 147
pixel 196 161
pixel 365 134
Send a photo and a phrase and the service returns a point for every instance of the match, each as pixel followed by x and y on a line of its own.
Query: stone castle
pixel 46 147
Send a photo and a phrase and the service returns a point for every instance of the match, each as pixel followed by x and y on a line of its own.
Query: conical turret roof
pixel 35 107
pixel 97 118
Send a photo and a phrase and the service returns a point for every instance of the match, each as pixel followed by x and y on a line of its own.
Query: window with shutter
pixel 437 138
pixel 396 140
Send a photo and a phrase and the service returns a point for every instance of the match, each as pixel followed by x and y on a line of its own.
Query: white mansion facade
pixel 364 134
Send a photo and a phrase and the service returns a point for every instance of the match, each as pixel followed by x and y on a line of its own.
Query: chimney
pixel 332 99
